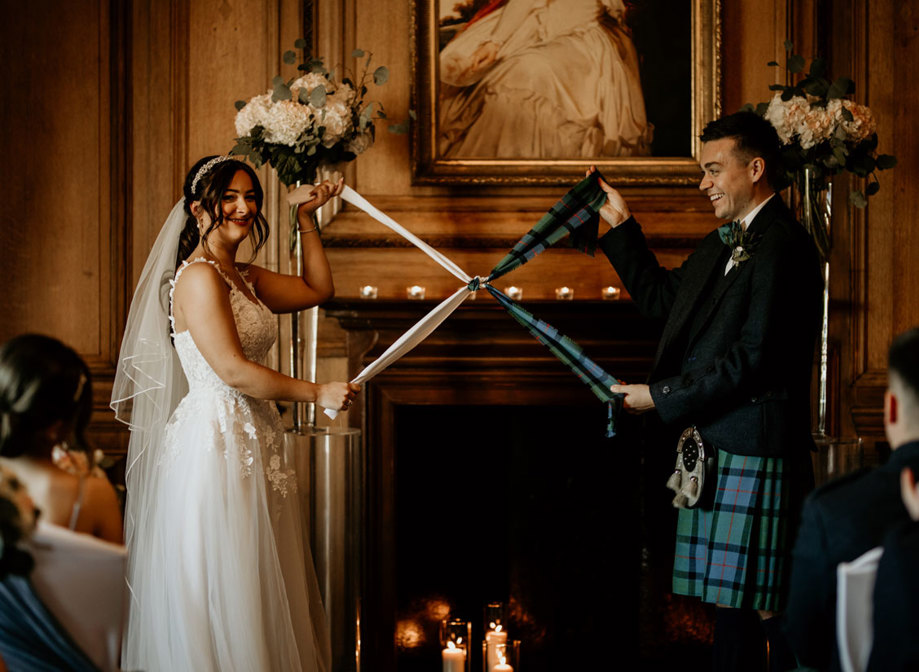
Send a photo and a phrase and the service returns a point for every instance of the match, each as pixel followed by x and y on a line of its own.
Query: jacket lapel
pixel 757 227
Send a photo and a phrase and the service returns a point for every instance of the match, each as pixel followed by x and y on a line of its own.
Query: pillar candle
pixel 454 659
pixel 492 639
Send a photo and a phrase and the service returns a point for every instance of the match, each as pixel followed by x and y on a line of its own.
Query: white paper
pixel 855 608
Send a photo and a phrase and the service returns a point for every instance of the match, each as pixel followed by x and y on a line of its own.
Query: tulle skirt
pixel 220 577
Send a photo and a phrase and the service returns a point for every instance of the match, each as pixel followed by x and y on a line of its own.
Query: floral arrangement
pixel 309 120
pixel 823 133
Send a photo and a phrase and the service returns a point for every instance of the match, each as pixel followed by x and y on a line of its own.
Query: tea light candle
pixel 415 292
pixel 502 667
pixel 368 292
pixel 610 293
pixel 454 659
pixel 514 293
pixel 564 293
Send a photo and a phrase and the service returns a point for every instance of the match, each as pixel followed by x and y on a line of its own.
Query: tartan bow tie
pixel 729 233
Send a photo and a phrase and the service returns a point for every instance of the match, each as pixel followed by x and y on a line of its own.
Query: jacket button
pixel 665 389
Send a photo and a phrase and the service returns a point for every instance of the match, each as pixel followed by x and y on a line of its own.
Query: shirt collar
pixel 745 222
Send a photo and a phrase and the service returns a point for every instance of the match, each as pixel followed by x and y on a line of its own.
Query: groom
pixel 735 358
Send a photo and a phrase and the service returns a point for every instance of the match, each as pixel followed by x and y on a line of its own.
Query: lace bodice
pixel 255 324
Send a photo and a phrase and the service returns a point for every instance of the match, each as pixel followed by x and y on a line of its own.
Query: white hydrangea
pixel 286 121
pixel 253 114
pixel 798 119
pixel 310 81
pixel 336 117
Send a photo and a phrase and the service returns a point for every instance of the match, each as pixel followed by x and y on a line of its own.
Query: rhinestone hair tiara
pixel 206 168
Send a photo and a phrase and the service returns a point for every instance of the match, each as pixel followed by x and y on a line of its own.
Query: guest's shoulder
pixel 840 491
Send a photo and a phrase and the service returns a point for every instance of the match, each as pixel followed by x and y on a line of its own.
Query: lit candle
pixel 502 666
pixel 492 639
pixel 564 293
pixel 368 292
pixel 610 293
pixel 415 292
pixel 454 658
pixel 514 293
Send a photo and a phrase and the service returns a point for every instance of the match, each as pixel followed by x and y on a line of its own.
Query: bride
pixel 219 576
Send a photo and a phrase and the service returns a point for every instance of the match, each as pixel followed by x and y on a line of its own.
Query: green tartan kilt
pixel 738 553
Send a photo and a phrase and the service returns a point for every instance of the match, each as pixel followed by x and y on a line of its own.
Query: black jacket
pixel 737 351
pixel 841 520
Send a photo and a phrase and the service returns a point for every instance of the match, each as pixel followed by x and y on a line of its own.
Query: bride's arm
pixel 202 301
pixel 287 293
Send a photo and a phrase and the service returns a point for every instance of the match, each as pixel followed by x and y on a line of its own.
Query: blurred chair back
pixel 81 580
pixel 854 609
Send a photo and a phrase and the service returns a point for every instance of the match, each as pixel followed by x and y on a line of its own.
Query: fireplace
pixel 488 477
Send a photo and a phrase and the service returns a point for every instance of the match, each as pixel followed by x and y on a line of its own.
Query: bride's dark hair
pixel 209 190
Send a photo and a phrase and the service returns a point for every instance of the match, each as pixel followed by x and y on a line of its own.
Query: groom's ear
pixel 757 168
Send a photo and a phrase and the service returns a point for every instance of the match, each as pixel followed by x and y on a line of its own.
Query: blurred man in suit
pixel 851 515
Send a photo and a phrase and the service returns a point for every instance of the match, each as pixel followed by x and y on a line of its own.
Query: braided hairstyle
pixel 42 381
pixel 209 191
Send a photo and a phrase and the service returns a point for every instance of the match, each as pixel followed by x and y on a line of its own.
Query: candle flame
pixel 498 628
pixel 451 645
pixel 503 659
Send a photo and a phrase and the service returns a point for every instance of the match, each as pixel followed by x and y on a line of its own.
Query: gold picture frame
pixel 698 103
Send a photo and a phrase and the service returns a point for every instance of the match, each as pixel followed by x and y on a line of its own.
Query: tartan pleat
pixel 736 553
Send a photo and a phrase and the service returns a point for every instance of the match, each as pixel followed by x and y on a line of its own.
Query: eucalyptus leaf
pixel 281 92
pixel 846 114
pixel 773 63
pixel 399 129
pixel 318 97
pixel 300 43
pixel 872 188
pixel 777 87
pixel 277 79
pixel 857 198
pixel 357 53
pixel 795 63
pixel 789 45
pixel 381 75
pixel 818 68
pixel 412 114
pixel 289 57
pixel 840 88
pixel 886 161
pixel 239 104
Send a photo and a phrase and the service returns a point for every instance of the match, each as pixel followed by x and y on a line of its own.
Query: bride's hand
pixel 312 197
pixel 337 396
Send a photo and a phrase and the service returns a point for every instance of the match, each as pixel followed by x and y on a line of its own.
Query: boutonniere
pixel 742 242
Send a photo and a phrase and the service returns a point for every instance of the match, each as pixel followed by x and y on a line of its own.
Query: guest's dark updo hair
pixel 42 381
pixel 15 525
pixel 209 190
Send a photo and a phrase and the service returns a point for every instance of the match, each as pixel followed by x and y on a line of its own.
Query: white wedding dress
pixel 222 579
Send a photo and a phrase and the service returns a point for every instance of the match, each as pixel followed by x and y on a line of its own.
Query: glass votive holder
pixel 455 635
pixel 515 293
pixel 610 293
pixel 494 620
pixel 416 292
pixel 508 657
pixel 564 293
pixel 369 292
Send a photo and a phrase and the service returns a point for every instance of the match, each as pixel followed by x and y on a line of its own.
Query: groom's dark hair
pixel 903 361
pixel 754 137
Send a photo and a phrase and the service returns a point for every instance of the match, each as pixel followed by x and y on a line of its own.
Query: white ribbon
pixel 429 322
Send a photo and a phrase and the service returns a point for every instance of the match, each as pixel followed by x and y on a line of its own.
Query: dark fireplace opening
pixel 528 505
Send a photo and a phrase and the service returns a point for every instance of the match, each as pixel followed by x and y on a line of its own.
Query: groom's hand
pixel 615 211
pixel 637 398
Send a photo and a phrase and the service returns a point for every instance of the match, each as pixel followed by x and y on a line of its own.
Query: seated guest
pixel 30 637
pixel 851 515
pixel 46 401
pixel 896 590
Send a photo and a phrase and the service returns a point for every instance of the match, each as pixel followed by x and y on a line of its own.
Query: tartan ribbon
pixel 575 215
pixel 570 354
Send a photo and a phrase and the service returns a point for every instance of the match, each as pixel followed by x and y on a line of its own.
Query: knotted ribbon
pixel 575 216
